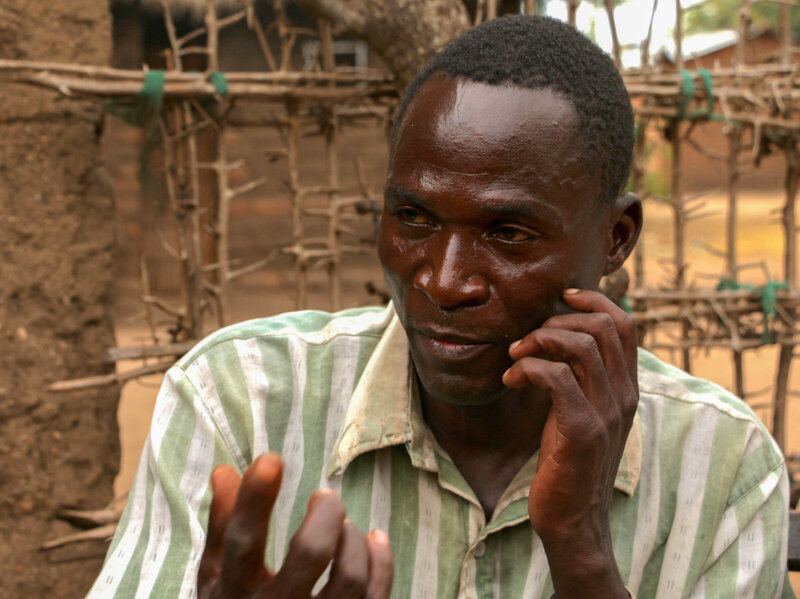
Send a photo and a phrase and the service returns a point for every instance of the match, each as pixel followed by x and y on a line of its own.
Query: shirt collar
pixel 385 410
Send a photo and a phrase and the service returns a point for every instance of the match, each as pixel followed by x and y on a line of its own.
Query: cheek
pixel 399 258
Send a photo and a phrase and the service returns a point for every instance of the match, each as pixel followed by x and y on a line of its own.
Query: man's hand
pixel 587 361
pixel 232 565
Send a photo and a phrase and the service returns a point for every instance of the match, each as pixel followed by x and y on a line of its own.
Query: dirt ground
pixel 270 292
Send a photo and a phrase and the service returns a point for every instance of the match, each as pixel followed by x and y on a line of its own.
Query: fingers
pixel 225 484
pixel 313 546
pixel 381 566
pixel 599 347
pixel 246 532
pixel 363 567
pixel 596 302
pixel 350 568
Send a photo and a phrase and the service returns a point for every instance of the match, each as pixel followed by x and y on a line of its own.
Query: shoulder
pixel 659 379
pixel 700 429
pixel 308 327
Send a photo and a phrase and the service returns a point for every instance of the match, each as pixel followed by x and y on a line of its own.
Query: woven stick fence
pixel 757 103
pixel 749 102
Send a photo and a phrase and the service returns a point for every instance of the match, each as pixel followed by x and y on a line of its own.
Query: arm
pixel 587 360
pixel 748 552
pixel 161 538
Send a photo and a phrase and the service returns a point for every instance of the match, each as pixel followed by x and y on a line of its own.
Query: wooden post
pixel 790 274
pixel 734 135
pixel 332 164
pixel 786 34
pixel 781 393
pixel 491 9
pixel 678 35
pixel 530 7
pixel 609 4
pixel 789 220
pixel 679 233
pixel 572 7
pixel 292 142
pixel 744 28
pixel 638 172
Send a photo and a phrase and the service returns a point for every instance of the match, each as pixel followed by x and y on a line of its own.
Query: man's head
pixel 500 194
pixel 539 53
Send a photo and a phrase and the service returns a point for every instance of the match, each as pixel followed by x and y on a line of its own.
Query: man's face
pixel 490 213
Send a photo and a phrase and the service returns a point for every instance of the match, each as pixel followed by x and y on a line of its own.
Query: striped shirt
pixel 699 510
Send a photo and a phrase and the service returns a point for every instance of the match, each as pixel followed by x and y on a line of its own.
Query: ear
pixel 625 224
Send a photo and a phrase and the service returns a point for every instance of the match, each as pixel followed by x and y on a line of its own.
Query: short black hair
pixel 538 52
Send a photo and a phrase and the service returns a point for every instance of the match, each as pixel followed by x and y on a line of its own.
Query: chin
pixel 462 389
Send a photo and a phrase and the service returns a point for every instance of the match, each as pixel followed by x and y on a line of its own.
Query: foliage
pixel 713 15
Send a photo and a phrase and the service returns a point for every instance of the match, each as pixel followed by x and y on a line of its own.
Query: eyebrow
pixel 529 206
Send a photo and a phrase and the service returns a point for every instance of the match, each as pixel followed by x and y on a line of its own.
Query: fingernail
pixel 515 344
pixel 571 291
pixel 505 374
pixel 379 536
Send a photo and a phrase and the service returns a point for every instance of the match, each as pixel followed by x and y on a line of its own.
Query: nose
pixel 449 276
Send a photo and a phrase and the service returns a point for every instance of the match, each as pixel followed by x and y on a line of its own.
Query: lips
pixel 451 347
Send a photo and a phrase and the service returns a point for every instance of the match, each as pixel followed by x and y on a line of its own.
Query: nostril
pixel 447 291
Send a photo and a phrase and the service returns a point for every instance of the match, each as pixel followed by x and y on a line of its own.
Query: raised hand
pixel 232 565
pixel 587 361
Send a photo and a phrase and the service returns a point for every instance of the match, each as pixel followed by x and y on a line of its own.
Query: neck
pixel 489 443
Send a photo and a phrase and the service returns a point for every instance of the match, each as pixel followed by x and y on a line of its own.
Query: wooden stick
pixel 491 9
pixel 638 171
pixel 100 533
pixel 781 388
pixel 69 86
pixel 331 126
pixel 212 38
pixel 137 352
pixel 192 207
pixel 788 218
pixel 115 378
pixel 609 6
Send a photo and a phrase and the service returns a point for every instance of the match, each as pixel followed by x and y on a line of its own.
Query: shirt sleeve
pixel 749 549
pixel 160 538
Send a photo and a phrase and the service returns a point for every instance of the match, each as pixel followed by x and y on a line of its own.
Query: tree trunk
pixel 405 33
pixel 56 259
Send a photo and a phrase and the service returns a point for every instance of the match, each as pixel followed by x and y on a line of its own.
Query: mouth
pixel 451 347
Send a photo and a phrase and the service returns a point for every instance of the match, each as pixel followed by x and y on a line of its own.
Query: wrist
pixel 584 567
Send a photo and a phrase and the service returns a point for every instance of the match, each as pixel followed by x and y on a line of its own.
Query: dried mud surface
pixel 56 255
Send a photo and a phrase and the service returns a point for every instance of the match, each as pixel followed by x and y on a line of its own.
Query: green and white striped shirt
pixel 700 508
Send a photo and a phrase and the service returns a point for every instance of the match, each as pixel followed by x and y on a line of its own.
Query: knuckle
pixel 588 345
pixel 562 373
pixel 605 324
pixel 352 578
pixel 310 549
pixel 628 323
pixel 237 539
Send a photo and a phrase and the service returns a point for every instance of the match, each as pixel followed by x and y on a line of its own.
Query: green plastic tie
pixel 625 304
pixel 709 85
pixel 687 93
pixel 153 89
pixel 217 78
pixel 768 294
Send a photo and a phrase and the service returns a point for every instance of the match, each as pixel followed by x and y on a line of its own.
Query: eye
pixel 412 216
pixel 512 234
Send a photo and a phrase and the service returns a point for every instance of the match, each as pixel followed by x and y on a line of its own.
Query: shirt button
pixel 480 549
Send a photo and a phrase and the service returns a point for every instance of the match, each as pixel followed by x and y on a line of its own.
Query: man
pixel 495 420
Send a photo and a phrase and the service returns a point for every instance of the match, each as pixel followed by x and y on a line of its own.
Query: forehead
pixel 504 136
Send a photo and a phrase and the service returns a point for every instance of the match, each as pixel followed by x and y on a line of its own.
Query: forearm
pixel 584 566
